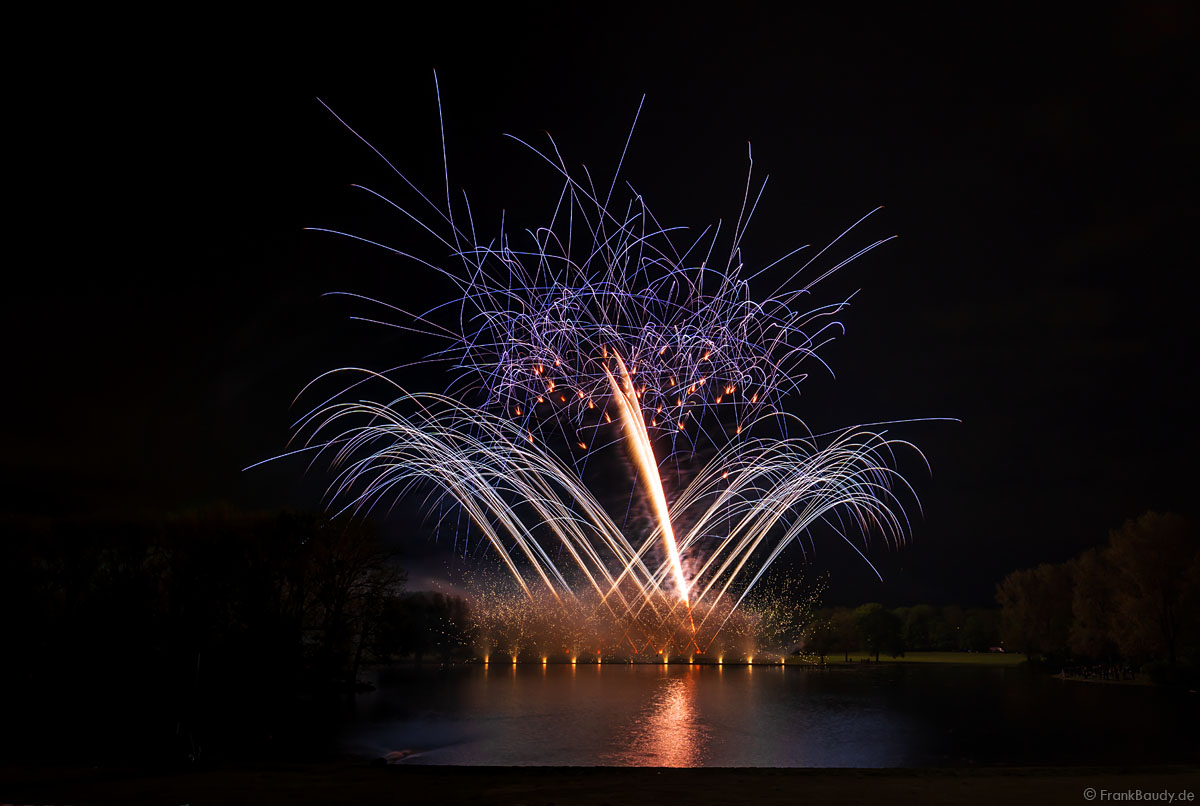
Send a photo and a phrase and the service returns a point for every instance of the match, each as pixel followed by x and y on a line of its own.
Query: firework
pixel 598 323
pixel 542 317
pixel 555 538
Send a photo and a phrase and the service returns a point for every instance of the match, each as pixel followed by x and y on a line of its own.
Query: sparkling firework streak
pixel 600 312
pixel 529 504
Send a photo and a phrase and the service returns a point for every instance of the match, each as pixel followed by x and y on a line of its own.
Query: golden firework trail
pixel 639 442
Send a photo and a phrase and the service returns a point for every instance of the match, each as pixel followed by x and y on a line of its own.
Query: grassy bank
pixel 972 658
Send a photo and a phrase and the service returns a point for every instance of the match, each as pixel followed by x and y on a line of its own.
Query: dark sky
pixel 1040 172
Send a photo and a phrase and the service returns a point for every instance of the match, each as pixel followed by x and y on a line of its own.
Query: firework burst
pixel 601 323
pixel 542 318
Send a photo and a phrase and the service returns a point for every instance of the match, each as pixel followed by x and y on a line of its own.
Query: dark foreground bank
pixel 362 784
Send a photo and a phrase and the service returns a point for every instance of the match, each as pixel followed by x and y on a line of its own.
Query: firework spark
pixel 598 312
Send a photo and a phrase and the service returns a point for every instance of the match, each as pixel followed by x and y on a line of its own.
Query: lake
pixel 878 715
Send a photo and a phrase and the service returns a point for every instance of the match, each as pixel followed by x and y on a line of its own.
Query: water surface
pixel 891 715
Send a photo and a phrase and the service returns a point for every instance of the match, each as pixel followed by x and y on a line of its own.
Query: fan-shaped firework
pixel 596 319
pixel 746 507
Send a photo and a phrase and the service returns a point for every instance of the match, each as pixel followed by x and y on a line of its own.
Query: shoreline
pixel 1139 680
pixel 358 783
pixel 857 659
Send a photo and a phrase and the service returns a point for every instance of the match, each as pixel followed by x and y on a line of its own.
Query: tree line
pixel 216 627
pixel 1134 600
pixel 877 630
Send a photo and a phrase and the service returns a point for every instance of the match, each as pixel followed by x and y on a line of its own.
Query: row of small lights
pixel 665 661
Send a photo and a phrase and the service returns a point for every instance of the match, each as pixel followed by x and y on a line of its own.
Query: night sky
pixel 1040 173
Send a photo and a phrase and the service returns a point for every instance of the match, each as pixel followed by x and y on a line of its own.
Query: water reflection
pixel 667 732
pixel 656 715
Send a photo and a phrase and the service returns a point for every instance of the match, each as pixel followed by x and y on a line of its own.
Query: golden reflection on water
pixel 667 731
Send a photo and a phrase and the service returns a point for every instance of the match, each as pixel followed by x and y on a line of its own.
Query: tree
pixel 845 630
pixel 919 627
pixel 348 581
pixel 947 630
pixel 1157 563
pixel 824 638
pixel 1035 610
pixel 980 630
pixel 1093 605
pixel 880 629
